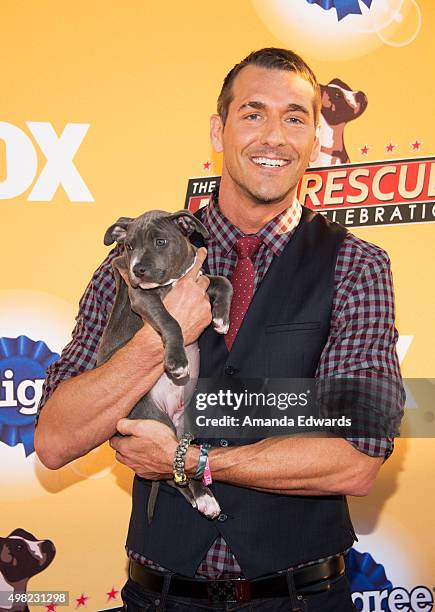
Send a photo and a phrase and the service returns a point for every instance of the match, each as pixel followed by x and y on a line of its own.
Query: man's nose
pixel 273 133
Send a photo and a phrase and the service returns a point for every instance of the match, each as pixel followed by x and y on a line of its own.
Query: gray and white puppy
pixel 158 253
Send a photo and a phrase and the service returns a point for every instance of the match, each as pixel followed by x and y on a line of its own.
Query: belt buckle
pixel 230 591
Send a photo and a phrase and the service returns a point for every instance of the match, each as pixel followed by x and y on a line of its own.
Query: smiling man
pixel 268 131
pixel 317 302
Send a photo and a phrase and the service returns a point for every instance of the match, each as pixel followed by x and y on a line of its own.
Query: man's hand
pixel 188 301
pixel 148 448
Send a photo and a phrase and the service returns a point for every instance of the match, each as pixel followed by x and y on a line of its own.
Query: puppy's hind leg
pixel 205 501
pixel 185 492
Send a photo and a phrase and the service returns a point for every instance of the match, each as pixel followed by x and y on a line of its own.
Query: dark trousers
pixel 336 599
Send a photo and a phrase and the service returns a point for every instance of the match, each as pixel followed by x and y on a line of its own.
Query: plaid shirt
pixel 362 336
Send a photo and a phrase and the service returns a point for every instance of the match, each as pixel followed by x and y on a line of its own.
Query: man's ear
pixel 216 133
pixel 316 146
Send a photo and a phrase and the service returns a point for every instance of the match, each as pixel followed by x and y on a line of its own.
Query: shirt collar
pixel 275 234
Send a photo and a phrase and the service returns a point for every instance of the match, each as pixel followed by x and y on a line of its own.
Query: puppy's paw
pixel 221 326
pixel 177 371
pixel 177 364
pixel 208 505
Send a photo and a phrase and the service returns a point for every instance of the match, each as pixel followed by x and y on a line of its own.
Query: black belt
pixel 308 580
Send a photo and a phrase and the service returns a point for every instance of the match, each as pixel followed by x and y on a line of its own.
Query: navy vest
pixel 282 336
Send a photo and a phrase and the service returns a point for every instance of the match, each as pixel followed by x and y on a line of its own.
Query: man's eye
pixel 253 117
pixel 128 247
pixel 160 242
pixel 294 120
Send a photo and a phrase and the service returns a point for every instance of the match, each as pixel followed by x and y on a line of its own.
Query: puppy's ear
pixel 117 231
pixel 188 223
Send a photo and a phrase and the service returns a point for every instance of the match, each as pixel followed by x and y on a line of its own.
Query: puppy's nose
pixel 139 270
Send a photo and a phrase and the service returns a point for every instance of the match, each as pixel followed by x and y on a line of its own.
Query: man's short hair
pixel 273 59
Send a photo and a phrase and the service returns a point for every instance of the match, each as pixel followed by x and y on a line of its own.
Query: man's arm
pixel 363 336
pixel 362 342
pixel 294 466
pixel 82 411
pixel 289 466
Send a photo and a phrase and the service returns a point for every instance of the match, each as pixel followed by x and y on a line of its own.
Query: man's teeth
pixel 265 161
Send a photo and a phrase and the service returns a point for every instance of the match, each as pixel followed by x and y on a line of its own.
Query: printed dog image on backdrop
pixel 22 556
pixel 340 104
pixel 157 254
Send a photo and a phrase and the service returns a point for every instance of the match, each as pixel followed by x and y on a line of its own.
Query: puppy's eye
pixel 160 242
pixel 128 247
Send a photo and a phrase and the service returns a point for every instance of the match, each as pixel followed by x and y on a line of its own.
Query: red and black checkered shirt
pixel 362 335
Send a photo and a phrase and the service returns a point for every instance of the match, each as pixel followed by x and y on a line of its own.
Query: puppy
pixel 339 106
pixel 21 557
pixel 158 253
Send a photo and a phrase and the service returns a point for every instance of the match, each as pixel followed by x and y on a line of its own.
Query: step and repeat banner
pixel 104 113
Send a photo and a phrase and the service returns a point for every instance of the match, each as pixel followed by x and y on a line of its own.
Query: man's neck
pixel 249 216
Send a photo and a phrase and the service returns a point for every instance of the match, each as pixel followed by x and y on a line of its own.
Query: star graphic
pixel 51 608
pixel 416 145
pixel 389 147
pixel 206 165
pixel 81 601
pixel 364 150
pixel 112 594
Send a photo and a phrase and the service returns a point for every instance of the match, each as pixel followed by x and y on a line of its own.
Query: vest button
pixel 223 442
pixel 222 517
pixel 230 370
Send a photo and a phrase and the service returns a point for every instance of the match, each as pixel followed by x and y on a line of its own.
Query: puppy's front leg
pixel 149 306
pixel 123 323
pixel 220 292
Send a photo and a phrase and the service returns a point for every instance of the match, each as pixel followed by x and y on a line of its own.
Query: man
pixel 322 306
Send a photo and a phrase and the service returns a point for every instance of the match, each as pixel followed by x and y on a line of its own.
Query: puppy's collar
pixel 171 281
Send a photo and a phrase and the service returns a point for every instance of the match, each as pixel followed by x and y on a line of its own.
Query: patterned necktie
pixel 243 284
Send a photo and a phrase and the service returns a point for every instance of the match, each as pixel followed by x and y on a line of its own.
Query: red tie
pixel 243 284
